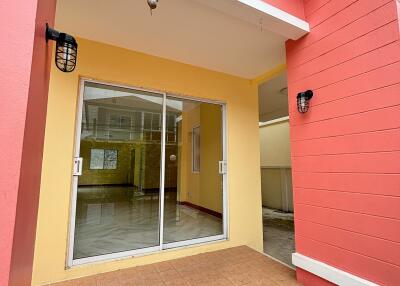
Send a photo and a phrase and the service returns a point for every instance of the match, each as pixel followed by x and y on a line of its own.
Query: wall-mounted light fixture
pixel 303 99
pixel 66 49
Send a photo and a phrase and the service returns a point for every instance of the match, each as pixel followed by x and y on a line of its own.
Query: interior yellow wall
pixel 123 173
pixel 190 182
pixel 275 145
pixel 210 195
pixel 120 175
pixel 108 63
pixel 204 188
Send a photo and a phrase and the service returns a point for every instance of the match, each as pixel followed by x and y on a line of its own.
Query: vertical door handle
pixel 222 167
pixel 78 166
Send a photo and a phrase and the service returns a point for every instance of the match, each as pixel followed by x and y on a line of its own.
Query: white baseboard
pixel 327 272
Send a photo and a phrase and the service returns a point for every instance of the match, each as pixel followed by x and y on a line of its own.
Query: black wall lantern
pixel 66 49
pixel 303 99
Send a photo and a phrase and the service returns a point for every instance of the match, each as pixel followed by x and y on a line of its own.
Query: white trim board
pixel 258 12
pixel 277 13
pixel 273 121
pixel 327 272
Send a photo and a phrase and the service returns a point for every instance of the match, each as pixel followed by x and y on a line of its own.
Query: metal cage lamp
pixel 303 99
pixel 66 49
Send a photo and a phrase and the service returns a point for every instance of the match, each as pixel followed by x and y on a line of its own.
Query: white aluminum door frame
pixel 70 261
pixel 224 235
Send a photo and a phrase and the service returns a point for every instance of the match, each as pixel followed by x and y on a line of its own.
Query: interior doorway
pixel 276 179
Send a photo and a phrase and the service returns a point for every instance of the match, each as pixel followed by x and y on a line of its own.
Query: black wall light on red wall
pixel 66 49
pixel 303 99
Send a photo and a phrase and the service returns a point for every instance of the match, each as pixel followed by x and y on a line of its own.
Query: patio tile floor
pixel 233 266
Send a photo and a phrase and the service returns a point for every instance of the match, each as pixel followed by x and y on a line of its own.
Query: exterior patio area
pixel 200 142
pixel 232 266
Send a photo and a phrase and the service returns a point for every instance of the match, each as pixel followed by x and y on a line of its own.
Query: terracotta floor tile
pixel 263 282
pixel 185 272
pixel 221 282
pixel 127 275
pixel 154 283
pixel 164 266
pixel 229 267
pixel 284 280
pixel 212 274
pixel 240 279
pixel 187 269
pixel 230 270
pixel 133 283
pixel 176 282
pixel 108 279
pixel 64 283
pixel 194 278
pixel 145 269
pixel 86 281
pixel 152 277
pixel 181 263
pixel 170 275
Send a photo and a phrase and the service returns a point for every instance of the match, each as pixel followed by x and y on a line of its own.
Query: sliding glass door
pixel 149 173
pixel 193 197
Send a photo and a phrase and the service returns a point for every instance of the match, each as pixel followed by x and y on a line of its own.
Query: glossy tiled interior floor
pixel 233 266
pixel 118 218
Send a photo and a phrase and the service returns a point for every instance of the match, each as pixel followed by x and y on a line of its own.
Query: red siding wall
pixel 346 149
pixel 25 69
pixel 294 7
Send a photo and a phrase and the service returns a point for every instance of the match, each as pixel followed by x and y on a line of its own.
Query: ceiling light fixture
pixel 152 4
pixel 283 91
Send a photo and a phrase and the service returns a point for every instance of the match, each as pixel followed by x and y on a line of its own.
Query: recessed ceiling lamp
pixel 283 91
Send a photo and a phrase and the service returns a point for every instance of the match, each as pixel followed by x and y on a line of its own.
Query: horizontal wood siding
pixel 346 148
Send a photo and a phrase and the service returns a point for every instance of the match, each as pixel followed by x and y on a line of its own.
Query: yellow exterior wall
pixel 276 183
pixel 112 64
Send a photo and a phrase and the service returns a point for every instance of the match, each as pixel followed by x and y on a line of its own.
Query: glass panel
pixel 118 192
pixel 193 199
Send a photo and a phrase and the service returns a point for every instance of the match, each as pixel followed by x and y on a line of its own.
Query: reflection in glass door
pixel 117 202
pixel 149 173
pixel 193 197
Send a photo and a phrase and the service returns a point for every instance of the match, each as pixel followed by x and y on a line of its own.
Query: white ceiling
pixel 187 31
pixel 273 102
